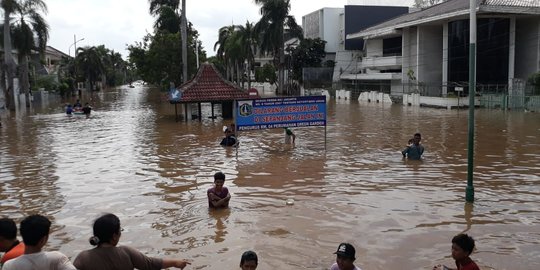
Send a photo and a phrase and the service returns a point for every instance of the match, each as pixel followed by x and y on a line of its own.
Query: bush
pixel 46 82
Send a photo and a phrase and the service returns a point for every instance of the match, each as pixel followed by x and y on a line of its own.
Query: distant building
pixel 52 61
pixel 354 19
pixel 429 49
pixel 325 24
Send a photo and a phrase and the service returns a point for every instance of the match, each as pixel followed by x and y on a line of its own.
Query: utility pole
pixel 469 191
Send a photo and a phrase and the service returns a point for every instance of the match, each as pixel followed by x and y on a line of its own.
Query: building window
pixel 392 46
pixel 492 51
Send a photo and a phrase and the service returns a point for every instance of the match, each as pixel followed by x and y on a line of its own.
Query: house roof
pixel 53 51
pixel 209 86
pixel 448 9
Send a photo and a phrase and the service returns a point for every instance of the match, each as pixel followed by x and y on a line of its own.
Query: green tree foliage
pixel 266 73
pixel 90 64
pixel 22 20
pixel 309 53
pixel 158 57
pixel 271 27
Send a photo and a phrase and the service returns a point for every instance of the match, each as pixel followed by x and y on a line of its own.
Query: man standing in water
pixel 415 150
pixel 218 196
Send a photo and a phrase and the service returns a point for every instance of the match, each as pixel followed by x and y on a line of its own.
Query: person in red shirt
pixel 218 196
pixel 462 247
pixel 9 244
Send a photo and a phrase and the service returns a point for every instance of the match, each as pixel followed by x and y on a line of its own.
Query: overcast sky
pixel 116 23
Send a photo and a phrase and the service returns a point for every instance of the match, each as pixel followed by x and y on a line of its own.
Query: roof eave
pixel 384 31
pixel 511 9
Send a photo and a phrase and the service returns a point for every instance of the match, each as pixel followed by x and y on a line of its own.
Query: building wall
pixel 410 53
pixel 430 47
pixel 311 24
pixel 527 47
pixel 324 24
pixel 374 47
pixel 358 18
pixel 331 29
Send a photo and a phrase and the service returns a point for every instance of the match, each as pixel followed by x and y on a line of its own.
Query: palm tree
pixel 225 33
pixel 90 63
pixel 29 23
pixel 167 20
pixel 155 9
pixel 271 28
pixel 248 41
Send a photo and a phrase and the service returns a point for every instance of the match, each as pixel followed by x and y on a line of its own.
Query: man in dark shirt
pixel 415 150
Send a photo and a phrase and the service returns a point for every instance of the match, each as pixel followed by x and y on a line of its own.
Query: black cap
pixel 346 250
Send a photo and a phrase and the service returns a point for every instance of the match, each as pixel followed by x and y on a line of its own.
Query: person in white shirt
pixel 345 256
pixel 35 233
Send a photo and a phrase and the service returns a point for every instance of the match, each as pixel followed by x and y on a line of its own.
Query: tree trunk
pixel 237 73
pixel 184 42
pixel 9 62
pixel 249 74
pixel 281 66
pixel 25 81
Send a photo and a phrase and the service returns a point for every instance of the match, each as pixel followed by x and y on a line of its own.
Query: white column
pixel 445 60
pixel 511 52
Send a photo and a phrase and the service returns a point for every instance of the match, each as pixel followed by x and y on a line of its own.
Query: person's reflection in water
pixel 221 216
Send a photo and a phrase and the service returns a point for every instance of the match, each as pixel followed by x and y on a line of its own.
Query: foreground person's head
pixel 249 260
pixel 345 256
pixel 462 246
pixel 35 230
pixel 106 230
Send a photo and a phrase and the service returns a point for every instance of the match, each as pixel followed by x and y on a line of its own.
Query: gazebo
pixel 209 86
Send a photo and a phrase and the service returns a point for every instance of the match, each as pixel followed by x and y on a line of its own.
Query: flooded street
pixel 132 159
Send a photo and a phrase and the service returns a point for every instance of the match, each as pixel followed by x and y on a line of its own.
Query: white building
pixel 429 48
pixel 326 24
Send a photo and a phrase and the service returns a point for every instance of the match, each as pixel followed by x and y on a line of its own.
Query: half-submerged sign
pixel 280 112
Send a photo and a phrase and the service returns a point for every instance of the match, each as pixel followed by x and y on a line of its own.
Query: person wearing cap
pixel 249 260
pixel 345 256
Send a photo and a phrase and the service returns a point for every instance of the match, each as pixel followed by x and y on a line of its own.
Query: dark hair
pixel 104 229
pixel 219 176
pixel 249 256
pixel 418 134
pixel 8 228
pixel 34 228
pixel 464 241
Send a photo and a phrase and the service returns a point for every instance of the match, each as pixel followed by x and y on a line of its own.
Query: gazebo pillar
pixel 186 111
pixel 200 111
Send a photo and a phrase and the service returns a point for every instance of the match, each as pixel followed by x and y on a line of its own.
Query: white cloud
pixel 116 23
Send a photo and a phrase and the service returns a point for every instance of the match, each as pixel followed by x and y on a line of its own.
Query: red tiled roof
pixel 208 85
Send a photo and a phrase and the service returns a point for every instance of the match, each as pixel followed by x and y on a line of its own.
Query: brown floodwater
pixel 131 158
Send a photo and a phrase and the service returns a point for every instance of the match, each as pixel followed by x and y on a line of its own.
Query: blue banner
pixel 280 112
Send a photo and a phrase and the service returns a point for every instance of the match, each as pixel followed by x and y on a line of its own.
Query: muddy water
pixel 132 159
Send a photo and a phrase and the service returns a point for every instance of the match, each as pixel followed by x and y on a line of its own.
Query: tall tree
pixel 155 9
pixel 271 28
pixel 90 63
pixel 10 7
pixel 222 53
pixel 248 41
pixel 29 23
